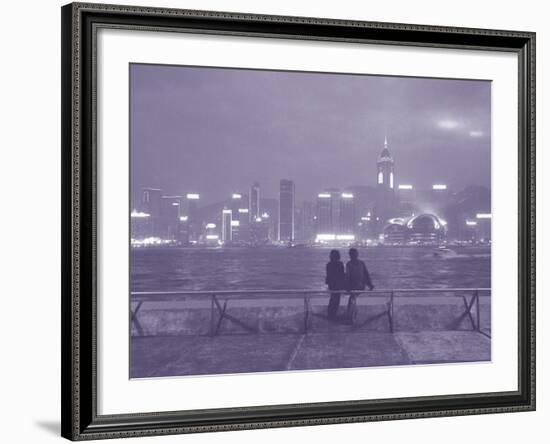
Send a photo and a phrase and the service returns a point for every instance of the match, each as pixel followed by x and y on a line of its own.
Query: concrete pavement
pixel 156 356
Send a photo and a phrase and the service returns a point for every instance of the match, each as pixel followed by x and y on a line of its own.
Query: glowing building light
pixel 226 211
pixel 347 196
pixel 439 187
pixel 405 187
pixel 483 215
pixel 323 195
pixel 236 196
pixel 183 218
pixel 258 219
pixel 325 237
pixel 175 204
pixel 265 215
pixel 345 237
pixel 366 218
pixel 212 237
pixel 391 180
pixel 139 214
pixel 476 133
pixel 380 177
pixel 447 124
pixel 149 241
pixel 193 196
pixel 210 225
pixel 235 223
pixel 243 210
pixel 471 223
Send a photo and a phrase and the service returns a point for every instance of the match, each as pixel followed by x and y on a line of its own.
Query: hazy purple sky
pixel 215 131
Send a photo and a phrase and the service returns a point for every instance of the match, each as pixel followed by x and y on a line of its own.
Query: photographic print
pixel 294 221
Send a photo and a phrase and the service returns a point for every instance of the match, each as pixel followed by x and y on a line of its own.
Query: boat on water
pixel 444 252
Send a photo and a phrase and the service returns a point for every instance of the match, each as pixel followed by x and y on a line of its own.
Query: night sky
pixel 216 131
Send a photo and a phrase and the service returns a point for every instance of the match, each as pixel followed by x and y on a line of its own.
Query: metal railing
pixel 218 311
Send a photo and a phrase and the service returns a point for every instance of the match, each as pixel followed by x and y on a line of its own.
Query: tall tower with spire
pixel 385 207
pixel 385 165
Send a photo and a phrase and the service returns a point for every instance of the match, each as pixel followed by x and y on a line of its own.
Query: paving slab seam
pixel 295 352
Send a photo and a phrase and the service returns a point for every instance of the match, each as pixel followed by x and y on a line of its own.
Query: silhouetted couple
pixel 355 276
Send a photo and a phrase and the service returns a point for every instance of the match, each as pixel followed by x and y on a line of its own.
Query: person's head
pixel 334 255
pixel 353 253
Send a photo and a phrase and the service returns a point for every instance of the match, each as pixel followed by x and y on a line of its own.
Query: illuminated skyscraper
pixel 193 222
pixel 406 193
pixel 324 213
pixel 151 204
pixel 286 211
pixel 140 225
pixel 347 223
pixel 236 203
pixel 440 196
pixel 385 169
pixel 386 205
pixel 304 227
pixel 170 216
pixel 406 200
pixel 183 230
pixel 254 202
pixel 227 229
pixel 239 218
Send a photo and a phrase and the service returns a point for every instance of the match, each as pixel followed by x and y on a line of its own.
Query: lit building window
pixel 391 180
pixel 138 214
pixel 483 215
pixel 380 177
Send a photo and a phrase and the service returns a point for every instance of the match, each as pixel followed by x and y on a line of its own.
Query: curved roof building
pixel 424 228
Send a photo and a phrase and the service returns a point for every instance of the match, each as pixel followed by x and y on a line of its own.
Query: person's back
pixel 335 277
pixel 336 280
pixel 357 275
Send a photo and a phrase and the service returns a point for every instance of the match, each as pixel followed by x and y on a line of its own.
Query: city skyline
pixel 318 130
pixel 390 213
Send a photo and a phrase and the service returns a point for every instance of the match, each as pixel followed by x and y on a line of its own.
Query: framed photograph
pixel 279 221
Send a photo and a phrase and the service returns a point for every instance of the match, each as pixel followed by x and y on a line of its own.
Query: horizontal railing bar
pixel 310 291
pixel 302 292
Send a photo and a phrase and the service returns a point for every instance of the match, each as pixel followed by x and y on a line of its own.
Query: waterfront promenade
pixel 156 356
pixel 178 335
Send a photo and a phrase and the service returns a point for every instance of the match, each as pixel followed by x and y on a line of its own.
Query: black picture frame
pixel 80 420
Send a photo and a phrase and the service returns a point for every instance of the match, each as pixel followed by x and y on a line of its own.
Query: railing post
pixel 391 311
pixel 306 312
pixel 135 320
pixel 212 314
pixel 476 295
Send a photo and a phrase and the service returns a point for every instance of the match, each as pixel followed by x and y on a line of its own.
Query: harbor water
pixel 186 269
